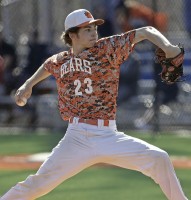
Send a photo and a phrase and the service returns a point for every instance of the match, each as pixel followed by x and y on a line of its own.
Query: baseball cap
pixel 80 18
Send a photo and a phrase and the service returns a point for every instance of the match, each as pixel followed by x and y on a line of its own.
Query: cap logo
pixel 88 14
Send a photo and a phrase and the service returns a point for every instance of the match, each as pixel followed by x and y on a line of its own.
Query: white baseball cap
pixel 80 18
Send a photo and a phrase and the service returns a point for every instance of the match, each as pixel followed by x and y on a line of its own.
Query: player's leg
pixel 69 157
pixel 132 153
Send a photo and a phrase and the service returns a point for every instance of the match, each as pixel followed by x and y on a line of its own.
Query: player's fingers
pixel 18 101
pixel 21 102
pixel 19 94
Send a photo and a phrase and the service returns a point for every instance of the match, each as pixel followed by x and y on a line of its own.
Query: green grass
pixel 36 142
pixel 101 183
pixel 28 143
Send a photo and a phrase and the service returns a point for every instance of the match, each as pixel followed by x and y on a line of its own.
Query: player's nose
pixel 94 33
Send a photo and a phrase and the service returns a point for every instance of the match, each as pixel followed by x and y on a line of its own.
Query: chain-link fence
pixel 149 108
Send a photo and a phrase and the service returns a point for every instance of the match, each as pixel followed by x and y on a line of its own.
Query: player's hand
pixel 24 92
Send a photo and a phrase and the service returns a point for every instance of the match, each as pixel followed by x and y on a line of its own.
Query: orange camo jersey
pixel 88 83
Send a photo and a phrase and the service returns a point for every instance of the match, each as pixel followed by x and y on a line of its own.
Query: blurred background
pixel 30 32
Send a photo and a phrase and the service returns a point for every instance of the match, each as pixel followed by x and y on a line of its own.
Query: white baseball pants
pixel 84 145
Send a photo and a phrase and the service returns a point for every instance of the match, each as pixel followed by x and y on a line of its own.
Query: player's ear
pixel 72 35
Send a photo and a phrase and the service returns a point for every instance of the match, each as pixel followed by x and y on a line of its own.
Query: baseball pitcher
pixel 87 79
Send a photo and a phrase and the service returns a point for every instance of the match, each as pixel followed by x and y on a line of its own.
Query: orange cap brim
pixel 95 21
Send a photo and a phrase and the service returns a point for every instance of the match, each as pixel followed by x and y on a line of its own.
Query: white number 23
pixel 78 85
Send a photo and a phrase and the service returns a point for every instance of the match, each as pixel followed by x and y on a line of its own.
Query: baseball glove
pixel 172 68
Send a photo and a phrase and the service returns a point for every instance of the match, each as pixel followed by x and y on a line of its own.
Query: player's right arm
pixel 25 90
pixel 157 38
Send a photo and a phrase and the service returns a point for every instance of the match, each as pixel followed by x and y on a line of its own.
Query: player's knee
pixel 164 156
pixel 159 161
pixel 161 156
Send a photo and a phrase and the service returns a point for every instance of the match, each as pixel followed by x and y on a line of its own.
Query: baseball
pixel 22 101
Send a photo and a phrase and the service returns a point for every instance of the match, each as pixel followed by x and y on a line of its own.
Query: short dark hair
pixel 65 35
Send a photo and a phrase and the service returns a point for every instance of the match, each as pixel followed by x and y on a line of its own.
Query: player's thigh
pixel 130 152
pixel 71 154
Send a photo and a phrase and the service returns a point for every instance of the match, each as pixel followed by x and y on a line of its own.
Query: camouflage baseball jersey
pixel 88 83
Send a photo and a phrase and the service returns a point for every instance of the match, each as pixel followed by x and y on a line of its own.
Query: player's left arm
pixel 157 38
pixel 25 91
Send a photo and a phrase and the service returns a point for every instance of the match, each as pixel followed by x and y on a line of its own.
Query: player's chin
pixel 92 43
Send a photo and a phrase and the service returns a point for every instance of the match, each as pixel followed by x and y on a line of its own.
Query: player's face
pixel 87 36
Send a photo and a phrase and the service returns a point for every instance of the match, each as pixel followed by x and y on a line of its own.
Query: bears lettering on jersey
pixel 75 64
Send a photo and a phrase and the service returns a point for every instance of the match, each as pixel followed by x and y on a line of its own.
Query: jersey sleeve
pixel 51 65
pixel 119 47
